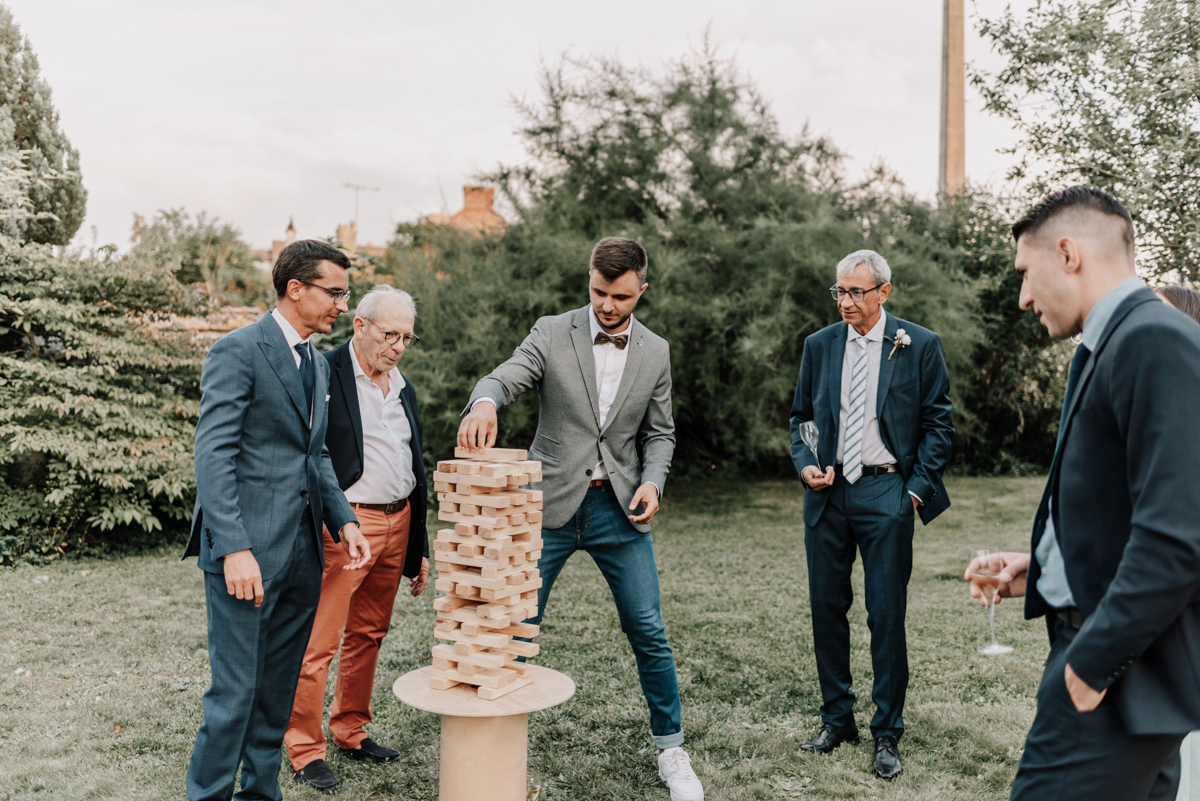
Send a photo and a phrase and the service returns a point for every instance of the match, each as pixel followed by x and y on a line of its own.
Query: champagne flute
pixel 985 566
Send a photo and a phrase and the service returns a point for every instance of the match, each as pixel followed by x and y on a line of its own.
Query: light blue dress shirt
pixel 1052 583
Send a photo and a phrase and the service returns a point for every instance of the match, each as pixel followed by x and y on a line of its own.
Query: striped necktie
pixel 856 417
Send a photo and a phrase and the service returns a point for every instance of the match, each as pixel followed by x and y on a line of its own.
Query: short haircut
pixel 370 302
pixel 301 261
pixel 1185 299
pixel 1080 198
pixel 614 256
pixel 881 272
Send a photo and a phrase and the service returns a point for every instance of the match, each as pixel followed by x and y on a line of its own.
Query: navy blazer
pixel 1125 499
pixel 345 443
pixel 913 408
pixel 259 466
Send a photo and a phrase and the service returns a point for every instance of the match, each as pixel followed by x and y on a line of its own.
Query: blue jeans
pixel 625 557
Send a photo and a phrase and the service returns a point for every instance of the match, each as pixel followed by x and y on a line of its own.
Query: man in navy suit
pixel 264 488
pixel 877 389
pixel 1115 565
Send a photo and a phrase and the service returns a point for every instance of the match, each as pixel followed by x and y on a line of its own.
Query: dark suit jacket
pixel 345 443
pixel 1126 495
pixel 913 408
pixel 259 467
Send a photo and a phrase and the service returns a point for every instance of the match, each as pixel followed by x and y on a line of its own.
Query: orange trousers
pixel 355 612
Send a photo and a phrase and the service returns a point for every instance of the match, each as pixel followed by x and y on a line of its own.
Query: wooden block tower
pixel 487 568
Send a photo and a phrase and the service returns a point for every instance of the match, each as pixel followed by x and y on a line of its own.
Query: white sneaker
pixel 675 768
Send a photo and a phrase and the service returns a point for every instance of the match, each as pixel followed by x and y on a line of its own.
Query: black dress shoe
pixel 369 749
pixel 317 775
pixel 830 738
pixel 887 758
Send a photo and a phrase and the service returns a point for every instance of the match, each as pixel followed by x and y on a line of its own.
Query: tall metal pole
pixel 357 188
pixel 952 167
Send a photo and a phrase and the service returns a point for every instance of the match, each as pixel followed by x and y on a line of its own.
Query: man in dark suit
pixel 605 439
pixel 264 488
pixel 1116 549
pixel 877 389
pixel 374 442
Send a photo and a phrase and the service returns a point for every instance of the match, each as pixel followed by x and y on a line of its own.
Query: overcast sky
pixel 257 110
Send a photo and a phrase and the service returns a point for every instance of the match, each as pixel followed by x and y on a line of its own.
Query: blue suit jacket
pixel 913 408
pixel 1125 499
pixel 260 468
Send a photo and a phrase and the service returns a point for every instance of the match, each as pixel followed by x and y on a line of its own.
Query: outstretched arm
pixel 502 386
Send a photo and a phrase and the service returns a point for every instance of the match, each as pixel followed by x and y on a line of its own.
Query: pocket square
pixel 327 399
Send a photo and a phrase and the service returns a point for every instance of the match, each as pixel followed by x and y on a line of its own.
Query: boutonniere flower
pixel 901 340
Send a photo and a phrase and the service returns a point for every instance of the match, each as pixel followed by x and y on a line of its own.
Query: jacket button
pixel 587 472
pixel 602 438
pixel 357 476
pixel 303 493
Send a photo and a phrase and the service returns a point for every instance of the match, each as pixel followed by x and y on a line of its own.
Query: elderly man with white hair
pixel 374 441
pixel 877 389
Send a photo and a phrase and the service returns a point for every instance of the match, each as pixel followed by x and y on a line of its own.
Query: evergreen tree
pixel 29 122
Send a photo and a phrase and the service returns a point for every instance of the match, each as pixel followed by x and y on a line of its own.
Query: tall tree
pixel 1108 93
pixel 29 122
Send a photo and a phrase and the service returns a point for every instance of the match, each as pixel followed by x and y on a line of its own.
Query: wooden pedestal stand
pixel 484 743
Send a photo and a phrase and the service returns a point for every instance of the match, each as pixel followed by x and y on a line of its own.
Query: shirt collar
pixel 594 324
pixel 395 380
pixel 289 333
pixel 876 332
pixel 1098 318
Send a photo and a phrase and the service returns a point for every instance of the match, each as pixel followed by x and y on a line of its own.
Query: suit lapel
pixel 886 365
pixel 274 346
pixel 320 405
pixel 349 390
pixel 633 363
pixel 581 338
pixel 836 355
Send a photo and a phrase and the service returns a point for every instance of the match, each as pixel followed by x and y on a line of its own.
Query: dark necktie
pixel 620 340
pixel 308 375
pixel 1077 361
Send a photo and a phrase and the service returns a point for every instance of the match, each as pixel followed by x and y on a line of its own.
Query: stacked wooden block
pixel 487 568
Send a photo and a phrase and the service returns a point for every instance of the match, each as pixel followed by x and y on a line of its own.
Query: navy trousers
pixel 255 655
pixel 625 557
pixel 1089 756
pixel 874 515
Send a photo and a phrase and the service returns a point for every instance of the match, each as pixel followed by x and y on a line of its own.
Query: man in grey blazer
pixel 264 487
pixel 604 384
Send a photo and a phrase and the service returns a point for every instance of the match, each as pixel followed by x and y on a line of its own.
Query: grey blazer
pixel 557 357
pixel 259 466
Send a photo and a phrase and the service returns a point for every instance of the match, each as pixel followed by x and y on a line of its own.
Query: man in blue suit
pixel 264 487
pixel 877 389
pixel 1115 562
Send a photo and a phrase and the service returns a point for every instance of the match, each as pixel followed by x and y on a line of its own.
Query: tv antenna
pixel 359 188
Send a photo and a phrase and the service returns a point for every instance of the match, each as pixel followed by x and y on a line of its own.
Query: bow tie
pixel 620 340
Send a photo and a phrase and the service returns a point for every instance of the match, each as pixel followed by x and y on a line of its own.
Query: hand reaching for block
pixel 479 428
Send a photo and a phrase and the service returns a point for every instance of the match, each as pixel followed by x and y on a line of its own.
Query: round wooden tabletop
pixel 549 688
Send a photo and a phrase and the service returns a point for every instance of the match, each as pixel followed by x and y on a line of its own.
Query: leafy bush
pixel 98 400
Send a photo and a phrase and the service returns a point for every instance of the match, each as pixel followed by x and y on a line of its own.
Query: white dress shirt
pixel 610 366
pixel 387 473
pixel 291 335
pixel 873 450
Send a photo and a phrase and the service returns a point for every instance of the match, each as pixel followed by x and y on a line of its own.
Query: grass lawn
pixel 117 662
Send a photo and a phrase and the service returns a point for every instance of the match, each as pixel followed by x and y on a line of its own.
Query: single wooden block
pixel 446 625
pixel 467 468
pixel 467 669
pixel 442 486
pixel 488 522
pixel 535 495
pixel 439 545
pixel 491 694
pixel 446 506
pixel 460 479
pixel 446 467
pixel 484 678
pixel 490 611
pixel 483 500
pixel 466 648
pixel 468 509
pixel 464 529
pixel 491 454
pixel 533 556
pixel 442 683
pixel 475 580
pixel 501 469
pixel 455 558
pixel 449 602
pixel 467 617
pixel 522 669
pixel 444 664
pixel 516 520
pixel 466 590
pixel 495 595
pixel 521 630
pixel 487 639
pixel 472 629
pixel 464 549
pixel 442 567
pixel 480 659
pixel 534 517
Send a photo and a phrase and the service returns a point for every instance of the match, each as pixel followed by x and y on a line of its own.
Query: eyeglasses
pixel 856 294
pixel 392 337
pixel 338 295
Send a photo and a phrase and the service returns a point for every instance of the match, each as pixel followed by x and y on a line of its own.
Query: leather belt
pixel 386 508
pixel 1071 616
pixel 598 482
pixel 871 469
